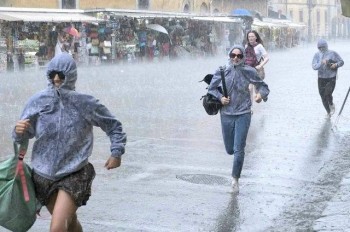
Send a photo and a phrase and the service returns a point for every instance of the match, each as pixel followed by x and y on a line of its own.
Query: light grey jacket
pixel 62 122
pixel 324 70
pixel 237 78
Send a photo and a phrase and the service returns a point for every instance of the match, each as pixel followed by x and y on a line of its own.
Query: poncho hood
pixel 241 48
pixel 322 43
pixel 64 63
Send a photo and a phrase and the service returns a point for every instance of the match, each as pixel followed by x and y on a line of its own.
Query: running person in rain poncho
pixel 62 121
pixel 326 62
pixel 236 112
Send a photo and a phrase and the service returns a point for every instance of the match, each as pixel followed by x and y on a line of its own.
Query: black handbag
pixel 211 104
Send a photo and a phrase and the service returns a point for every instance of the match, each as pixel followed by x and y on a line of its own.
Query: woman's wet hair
pixel 258 38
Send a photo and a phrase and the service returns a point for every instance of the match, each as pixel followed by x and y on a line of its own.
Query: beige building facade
pixel 190 6
pixel 322 17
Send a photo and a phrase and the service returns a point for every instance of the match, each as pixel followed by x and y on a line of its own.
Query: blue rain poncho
pixel 238 77
pixel 62 123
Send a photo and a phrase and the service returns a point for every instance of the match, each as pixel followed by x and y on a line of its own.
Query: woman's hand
pixel 258 67
pixel 22 126
pixel 225 100
pixel 258 98
pixel 113 162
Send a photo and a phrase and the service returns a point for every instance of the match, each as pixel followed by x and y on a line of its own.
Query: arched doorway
pixel 216 11
pixel 186 8
pixel 204 8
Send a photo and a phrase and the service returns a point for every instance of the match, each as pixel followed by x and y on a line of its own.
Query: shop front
pixel 29 38
pixel 139 35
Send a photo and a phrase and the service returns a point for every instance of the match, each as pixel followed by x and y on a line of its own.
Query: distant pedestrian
pixel 62 122
pixel 326 62
pixel 231 38
pixel 236 112
pixel 21 60
pixel 10 62
pixel 256 56
pixel 142 36
pixel 256 53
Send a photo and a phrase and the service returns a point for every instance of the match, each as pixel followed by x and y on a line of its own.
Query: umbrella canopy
pixel 246 13
pixel 241 12
pixel 72 31
pixel 157 27
pixel 345 7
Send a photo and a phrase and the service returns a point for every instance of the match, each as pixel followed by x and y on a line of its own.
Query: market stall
pixel 35 33
pixel 278 34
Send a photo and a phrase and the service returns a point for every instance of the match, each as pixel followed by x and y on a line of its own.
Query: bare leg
pixel 63 211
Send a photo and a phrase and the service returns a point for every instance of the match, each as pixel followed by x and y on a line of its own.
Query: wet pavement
pixel 175 175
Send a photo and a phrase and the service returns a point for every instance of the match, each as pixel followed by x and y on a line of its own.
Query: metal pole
pixel 309 21
pixel 346 97
pixel 341 109
pixel 113 45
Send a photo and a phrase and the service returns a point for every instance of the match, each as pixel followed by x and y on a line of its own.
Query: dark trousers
pixel 325 88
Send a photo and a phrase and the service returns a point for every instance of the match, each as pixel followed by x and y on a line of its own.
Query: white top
pixel 260 51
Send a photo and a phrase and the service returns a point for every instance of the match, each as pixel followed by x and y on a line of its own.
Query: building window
pixel 291 14
pixel 143 4
pixel 69 4
pixel 301 16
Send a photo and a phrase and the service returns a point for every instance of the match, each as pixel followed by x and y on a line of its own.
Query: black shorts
pixel 77 184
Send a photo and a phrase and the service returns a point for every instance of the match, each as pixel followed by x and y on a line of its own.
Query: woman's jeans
pixel 234 131
pixel 325 88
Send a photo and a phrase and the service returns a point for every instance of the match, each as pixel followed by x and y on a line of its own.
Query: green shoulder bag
pixel 17 195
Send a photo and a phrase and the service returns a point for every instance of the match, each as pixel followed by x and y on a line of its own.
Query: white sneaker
pixel 235 185
pixel 332 108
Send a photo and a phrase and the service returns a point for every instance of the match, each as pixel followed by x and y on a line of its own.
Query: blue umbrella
pixel 246 13
pixel 242 12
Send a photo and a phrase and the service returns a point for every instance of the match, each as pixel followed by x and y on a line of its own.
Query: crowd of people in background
pixel 130 40
pixel 135 41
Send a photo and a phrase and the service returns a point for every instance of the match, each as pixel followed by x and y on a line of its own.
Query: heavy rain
pixel 175 173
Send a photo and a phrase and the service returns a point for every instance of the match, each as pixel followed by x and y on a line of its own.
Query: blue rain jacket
pixel 62 123
pixel 237 78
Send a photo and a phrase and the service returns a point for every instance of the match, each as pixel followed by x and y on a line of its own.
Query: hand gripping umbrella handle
pixel 223 81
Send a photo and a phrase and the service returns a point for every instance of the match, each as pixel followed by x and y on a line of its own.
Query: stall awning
pixel 46 17
pixel 222 19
